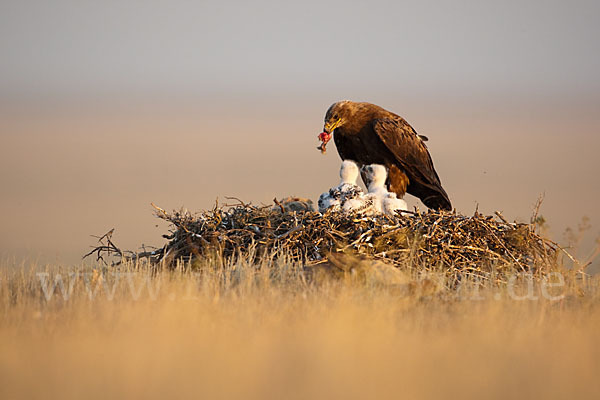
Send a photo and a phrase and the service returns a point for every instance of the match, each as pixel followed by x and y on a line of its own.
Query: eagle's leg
pixel 397 181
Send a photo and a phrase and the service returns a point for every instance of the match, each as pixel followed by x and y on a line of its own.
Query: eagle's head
pixel 337 115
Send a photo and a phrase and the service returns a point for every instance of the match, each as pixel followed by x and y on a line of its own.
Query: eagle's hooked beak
pixel 327 133
pixel 331 125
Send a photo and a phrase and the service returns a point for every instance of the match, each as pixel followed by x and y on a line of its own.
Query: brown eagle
pixel 369 134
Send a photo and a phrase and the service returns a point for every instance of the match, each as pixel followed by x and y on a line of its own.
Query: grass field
pixel 115 113
pixel 268 331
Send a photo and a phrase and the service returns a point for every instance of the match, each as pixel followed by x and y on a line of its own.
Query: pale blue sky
pixel 65 47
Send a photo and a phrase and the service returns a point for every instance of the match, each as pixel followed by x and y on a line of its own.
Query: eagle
pixel 369 134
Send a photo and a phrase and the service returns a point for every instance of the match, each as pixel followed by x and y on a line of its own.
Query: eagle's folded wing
pixel 413 158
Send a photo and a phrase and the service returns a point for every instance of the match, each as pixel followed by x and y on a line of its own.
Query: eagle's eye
pixel 335 116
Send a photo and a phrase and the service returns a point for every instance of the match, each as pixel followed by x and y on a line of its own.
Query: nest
pixel 433 239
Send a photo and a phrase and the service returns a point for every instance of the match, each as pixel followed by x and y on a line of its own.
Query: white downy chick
pixel 391 204
pixel 326 201
pixel 376 175
pixel 364 204
pixel 346 190
pixel 387 202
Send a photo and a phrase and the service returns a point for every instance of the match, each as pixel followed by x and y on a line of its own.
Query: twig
pixel 279 204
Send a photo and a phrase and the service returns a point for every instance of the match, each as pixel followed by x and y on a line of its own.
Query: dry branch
pixel 454 242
